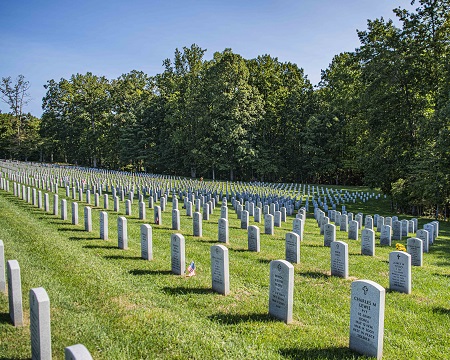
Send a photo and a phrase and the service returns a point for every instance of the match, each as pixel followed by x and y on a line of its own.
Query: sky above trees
pixel 54 39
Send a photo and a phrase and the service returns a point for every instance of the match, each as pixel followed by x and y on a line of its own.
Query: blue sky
pixel 53 39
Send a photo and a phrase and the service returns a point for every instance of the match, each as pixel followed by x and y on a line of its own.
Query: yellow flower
pixel 400 247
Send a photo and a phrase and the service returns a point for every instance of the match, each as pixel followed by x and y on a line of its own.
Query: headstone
pixel 405 224
pixel 277 219
pixel 329 234
pixel 205 211
pixel 105 201
pixel 400 272
pixel 297 227
pixel 146 242
pixel 103 225
pixel 368 224
pixel 63 209
pixel 281 290
pixel 2 268
pixel 380 223
pixel 177 253
pixel 77 352
pixel 257 217
pixel 122 233
pixel 74 213
pixel 116 204
pixel 197 224
pixel 253 238
pixel 157 218
pixel 411 228
pixel 244 219
pixel 175 219
pixel 189 208
pixel 368 242
pixel 353 230
pixel 128 207
pixel 344 223
pixel 41 345
pixel 55 204
pixel 423 235
pixel 396 230
pixel 223 230
pixel 339 259
pixel 292 248
pixel 430 228
pixel 87 219
pixel 142 214
pixel 15 292
pixel 220 269
pixel 385 235
pixel 367 318
pixel 224 212
pixel 414 247
pixel 268 224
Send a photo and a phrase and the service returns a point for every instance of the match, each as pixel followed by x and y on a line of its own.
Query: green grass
pixel 123 307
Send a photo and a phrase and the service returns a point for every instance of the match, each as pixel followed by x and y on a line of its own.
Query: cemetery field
pixel 121 306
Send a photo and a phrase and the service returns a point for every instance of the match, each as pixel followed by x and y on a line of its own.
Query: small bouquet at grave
pixel 191 269
pixel 400 247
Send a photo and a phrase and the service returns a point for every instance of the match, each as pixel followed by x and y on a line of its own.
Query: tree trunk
pixel 213 174
pixel 231 175
pixel 193 173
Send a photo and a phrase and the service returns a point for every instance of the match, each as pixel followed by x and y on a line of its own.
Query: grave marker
pixel 177 253
pixel 197 224
pixel 77 352
pixel 292 248
pixel 146 242
pixel 400 272
pixel 329 234
pixel 385 235
pixel 2 268
pixel 41 346
pixel 339 259
pixel 367 318
pixel 368 242
pixel 253 238
pixel 14 292
pixel 223 230
pixel 122 233
pixel 87 219
pixel 220 269
pixel 414 247
pixel 281 290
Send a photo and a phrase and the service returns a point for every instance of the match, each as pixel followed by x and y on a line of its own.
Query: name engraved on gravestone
pixel 281 290
pixel 423 235
pixel 146 242
pixel 220 269
pixel 122 233
pixel 14 292
pixel 77 352
pixel 268 224
pixel 368 224
pixel 41 347
pixel 385 235
pixel 223 231
pixel 353 230
pixel 414 247
pixel 367 318
pixel 2 268
pixel 339 259
pixel 253 238
pixel 368 242
pixel 329 234
pixel 292 248
pixel 400 272
pixel 177 253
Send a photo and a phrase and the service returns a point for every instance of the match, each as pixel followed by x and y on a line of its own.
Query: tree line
pixel 379 116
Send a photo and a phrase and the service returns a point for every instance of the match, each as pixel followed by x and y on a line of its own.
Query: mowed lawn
pixel 123 307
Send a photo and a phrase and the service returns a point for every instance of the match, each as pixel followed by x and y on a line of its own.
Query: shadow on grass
pixel 314 275
pixel 265 261
pixel 74 238
pixel 100 247
pixel 14 358
pixel 71 229
pixel 232 319
pixel 5 318
pixel 327 353
pixel 313 245
pixel 441 310
pixel 139 272
pixel 442 275
pixel 121 257
pixel 185 290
